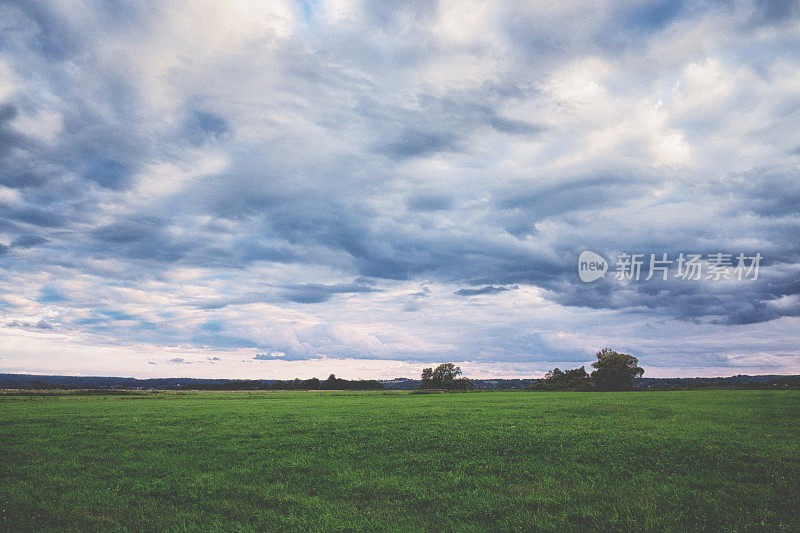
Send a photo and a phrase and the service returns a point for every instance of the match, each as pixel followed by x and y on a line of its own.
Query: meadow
pixel 334 461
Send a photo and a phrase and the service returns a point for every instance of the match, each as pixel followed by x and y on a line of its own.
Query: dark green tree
pixel 446 372
pixel 615 371
pixel 445 376
pixel 554 375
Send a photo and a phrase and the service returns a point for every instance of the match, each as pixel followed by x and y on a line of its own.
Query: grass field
pixel 369 461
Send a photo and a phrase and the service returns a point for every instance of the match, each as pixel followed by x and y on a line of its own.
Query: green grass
pixel 301 461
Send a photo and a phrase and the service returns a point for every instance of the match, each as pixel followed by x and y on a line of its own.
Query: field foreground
pixel 375 461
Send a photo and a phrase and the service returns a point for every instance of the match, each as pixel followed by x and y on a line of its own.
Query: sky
pixel 279 189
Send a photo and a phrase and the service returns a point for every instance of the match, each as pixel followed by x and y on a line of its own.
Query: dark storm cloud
pixel 429 202
pixel 55 40
pixel 202 127
pixel 127 231
pixel 28 241
pixel 16 168
pixel 442 124
pixel 515 127
pixel 415 143
pixel 775 11
pixel 35 216
pixel 141 239
pixel 308 293
pixel 524 204
pixel 102 147
pixel 768 192
pixel 8 138
pixel 109 173
pixel 488 289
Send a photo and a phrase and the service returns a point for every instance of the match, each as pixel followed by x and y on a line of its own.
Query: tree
pixel 445 377
pixel 554 375
pixel 575 375
pixel 615 371
pixel 446 372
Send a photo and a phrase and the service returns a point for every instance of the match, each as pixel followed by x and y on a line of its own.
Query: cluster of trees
pixel 445 376
pixel 332 383
pixel 557 379
pixel 613 371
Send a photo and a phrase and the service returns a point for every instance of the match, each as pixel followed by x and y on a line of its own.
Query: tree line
pixel 332 383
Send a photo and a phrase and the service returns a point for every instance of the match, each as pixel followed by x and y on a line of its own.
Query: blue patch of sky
pixel 50 294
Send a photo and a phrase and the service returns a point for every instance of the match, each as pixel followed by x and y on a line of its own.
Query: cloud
pixel 28 241
pixel 430 202
pixel 346 180
pixel 307 293
pixel 488 289
pixel 268 356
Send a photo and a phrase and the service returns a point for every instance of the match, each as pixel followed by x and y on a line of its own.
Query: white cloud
pixel 44 125
pixel 8 84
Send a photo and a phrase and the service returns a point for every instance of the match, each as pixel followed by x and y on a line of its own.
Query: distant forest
pixel 36 382
pixel 41 382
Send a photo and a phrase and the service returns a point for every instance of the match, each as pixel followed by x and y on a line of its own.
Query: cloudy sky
pixel 276 189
